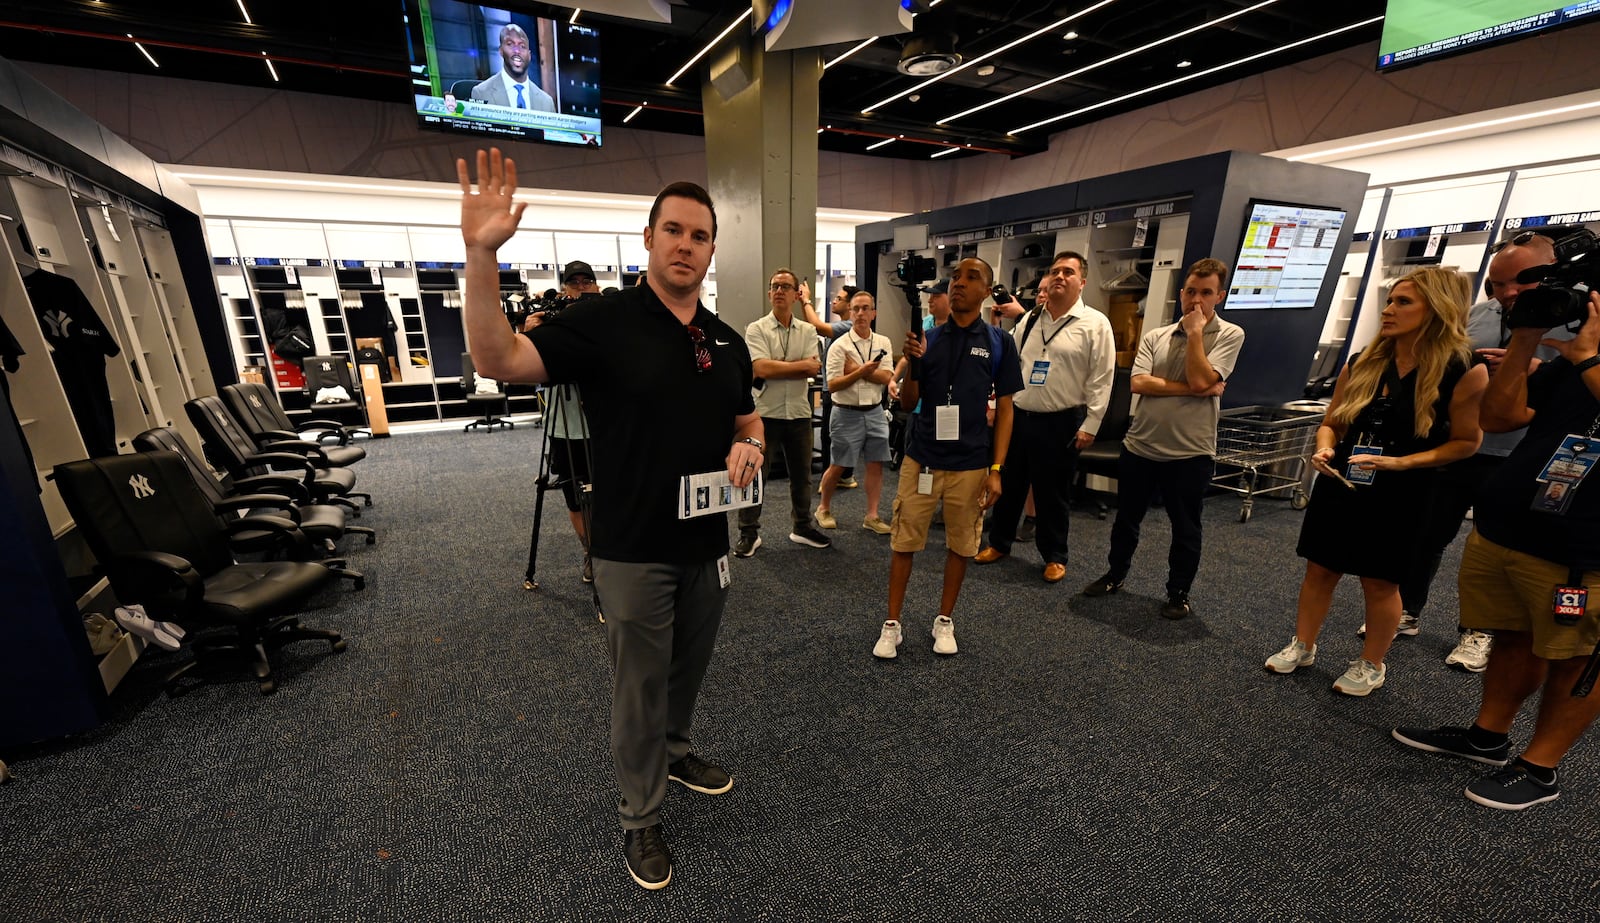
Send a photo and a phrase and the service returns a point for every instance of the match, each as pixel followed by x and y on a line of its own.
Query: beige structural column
pixel 761 162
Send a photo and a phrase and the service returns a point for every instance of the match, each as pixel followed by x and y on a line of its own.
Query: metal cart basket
pixel 1262 450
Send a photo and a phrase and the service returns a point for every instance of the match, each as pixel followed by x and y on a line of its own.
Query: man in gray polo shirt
pixel 1171 445
pixel 783 349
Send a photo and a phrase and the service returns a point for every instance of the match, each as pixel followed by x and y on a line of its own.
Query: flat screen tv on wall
pixel 1420 30
pixel 491 72
pixel 1284 256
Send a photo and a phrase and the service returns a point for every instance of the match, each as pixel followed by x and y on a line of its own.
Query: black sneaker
pixel 1512 789
pixel 1028 530
pixel 1452 741
pixel 808 534
pixel 649 859
pixel 747 545
pixel 588 570
pixel 1176 606
pixel 696 774
pixel 1105 585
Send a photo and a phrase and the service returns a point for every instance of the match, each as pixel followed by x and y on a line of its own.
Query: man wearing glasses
pixel 677 404
pixel 783 350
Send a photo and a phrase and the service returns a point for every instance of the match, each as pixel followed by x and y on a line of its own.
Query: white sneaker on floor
pixel 888 644
pixel 1294 655
pixel 1362 677
pixel 1471 653
pixel 944 635
pixel 1408 626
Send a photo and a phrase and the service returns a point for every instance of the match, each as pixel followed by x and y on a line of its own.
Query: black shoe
pixel 807 534
pixel 1176 606
pixel 1453 741
pixel 649 859
pixel 588 570
pixel 1105 585
pixel 1028 529
pixel 696 774
pixel 747 545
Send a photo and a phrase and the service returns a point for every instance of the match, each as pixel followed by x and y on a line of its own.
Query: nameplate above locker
pixel 1545 221
pixel 28 165
pixel 1099 217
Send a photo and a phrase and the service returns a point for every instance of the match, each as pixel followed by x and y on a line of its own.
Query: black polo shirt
pixel 959 366
pixel 1503 509
pixel 653 418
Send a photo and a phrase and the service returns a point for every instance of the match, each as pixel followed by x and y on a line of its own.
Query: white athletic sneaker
pixel 1408 626
pixel 1294 655
pixel 1362 677
pixel 944 635
pixel 888 644
pixel 1471 652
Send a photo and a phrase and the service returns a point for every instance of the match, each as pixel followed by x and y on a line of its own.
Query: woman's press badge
pixel 1563 474
pixel 1361 475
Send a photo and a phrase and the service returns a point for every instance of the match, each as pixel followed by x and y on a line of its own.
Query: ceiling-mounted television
pixel 1420 30
pixel 487 71
pixel 1284 256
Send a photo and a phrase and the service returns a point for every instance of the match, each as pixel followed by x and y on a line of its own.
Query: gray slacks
pixel 661 627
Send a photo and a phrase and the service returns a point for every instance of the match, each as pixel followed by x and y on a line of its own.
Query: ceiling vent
pixel 929 53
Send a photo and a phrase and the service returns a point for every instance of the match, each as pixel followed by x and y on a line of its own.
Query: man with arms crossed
pixel 1069 356
pixel 784 350
pixel 857 374
pixel 1171 445
pixel 681 400
pixel 950 455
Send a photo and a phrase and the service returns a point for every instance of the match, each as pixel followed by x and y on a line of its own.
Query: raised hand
pixel 489 215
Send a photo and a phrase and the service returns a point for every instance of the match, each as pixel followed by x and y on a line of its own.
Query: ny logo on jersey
pixel 141 487
pixel 58 321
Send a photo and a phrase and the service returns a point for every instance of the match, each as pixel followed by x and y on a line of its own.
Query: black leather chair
pixel 491 405
pixel 1101 458
pixel 334 371
pixel 267 495
pixel 157 540
pixel 228 448
pixel 261 414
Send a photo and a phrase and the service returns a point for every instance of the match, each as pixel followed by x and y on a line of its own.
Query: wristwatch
pixel 760 446
pixel 997 467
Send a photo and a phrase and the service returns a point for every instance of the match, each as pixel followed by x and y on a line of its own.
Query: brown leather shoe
pixel 988 556
pixel 1053 572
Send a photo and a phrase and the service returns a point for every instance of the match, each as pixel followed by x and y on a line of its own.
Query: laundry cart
pixel 1262 450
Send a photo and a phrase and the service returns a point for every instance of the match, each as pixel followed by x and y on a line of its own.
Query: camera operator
pixel 1533 553
pixel 565 426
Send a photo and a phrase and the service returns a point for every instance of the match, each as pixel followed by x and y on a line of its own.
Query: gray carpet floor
pixel 1079 759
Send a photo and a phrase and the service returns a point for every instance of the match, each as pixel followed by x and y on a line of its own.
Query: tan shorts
pixel 1505 590
pixel 961 492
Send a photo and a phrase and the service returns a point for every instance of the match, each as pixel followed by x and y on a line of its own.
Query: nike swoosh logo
pixel 721 342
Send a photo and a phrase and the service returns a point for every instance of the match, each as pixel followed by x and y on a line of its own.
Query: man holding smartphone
pixel 858 431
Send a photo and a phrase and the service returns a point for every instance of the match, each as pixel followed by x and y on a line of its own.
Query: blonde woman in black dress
pixel 1401 408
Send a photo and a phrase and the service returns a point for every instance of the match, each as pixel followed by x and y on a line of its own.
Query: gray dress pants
pixel 661 627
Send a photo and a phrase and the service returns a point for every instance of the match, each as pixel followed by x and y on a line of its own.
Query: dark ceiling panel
pixel 358 48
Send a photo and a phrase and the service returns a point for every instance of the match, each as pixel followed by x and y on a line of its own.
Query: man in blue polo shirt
pixel 950 455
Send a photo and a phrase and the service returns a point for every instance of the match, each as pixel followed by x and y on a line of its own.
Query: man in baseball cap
pixel 577 268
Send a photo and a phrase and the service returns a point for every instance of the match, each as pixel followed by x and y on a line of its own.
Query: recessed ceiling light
pixel 1185 63
pixel 986 70
pixel 1070 36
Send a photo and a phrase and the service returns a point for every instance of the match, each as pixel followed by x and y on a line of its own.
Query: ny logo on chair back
pixel 141 487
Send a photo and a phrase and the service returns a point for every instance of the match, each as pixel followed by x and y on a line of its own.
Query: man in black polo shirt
pixel 682 401
pixel 949 455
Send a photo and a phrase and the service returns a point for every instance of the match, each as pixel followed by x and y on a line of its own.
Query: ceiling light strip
pixel 1441 132
pixel 850 52
pixel 1195 76
pixel 884 143
pixel 713 43
pixel 985 56
pixel 245 13
pixel 270 69
pixel 636 110
pixel 142 51
pixel 948 150
pixel 1099 64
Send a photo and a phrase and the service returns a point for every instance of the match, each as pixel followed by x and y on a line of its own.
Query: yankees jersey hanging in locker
pixel 79 344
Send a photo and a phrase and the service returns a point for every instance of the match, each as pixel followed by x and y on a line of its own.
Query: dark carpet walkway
pixel 1078 760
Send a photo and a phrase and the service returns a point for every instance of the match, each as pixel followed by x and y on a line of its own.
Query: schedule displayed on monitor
pixel 1284 256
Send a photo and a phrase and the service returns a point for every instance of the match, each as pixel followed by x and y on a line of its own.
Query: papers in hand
pixel 712 492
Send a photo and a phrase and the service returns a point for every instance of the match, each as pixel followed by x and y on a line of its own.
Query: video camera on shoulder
pixel 1562 298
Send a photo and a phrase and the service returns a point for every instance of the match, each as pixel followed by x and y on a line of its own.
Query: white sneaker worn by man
pixel 1408 627
pixel 944 635
pixel 888 646
pixel 1362 677
pixel 1471 652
